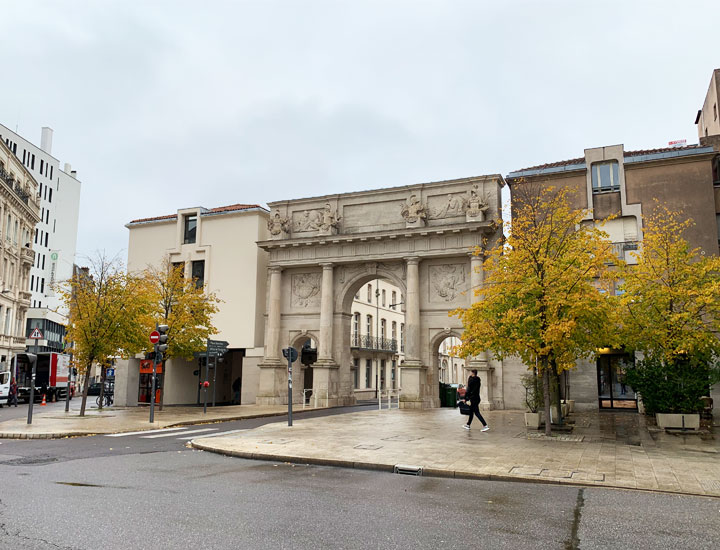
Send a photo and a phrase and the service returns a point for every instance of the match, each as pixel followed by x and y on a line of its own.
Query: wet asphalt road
pixel 152 492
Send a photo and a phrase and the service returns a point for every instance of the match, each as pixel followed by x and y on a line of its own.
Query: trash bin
pixel 451 395
pixel 443 394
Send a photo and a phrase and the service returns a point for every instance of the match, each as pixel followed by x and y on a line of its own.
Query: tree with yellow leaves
pixel 184 306
pixel 545 296
pixel 107 314
pixel 671 313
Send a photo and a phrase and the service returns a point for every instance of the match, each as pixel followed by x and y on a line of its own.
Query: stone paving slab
pixel 54 424
pixel 436 441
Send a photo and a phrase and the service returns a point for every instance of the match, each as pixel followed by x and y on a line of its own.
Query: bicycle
pixel 107 400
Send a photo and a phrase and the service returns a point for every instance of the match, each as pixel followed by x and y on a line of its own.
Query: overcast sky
pixel 162 105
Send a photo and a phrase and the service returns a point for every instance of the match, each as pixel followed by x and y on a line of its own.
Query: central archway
pixel 426 240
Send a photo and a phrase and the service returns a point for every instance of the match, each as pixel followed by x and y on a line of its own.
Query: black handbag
pixel 464 408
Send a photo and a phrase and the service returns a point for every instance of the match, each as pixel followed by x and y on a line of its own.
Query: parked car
pixel 94 388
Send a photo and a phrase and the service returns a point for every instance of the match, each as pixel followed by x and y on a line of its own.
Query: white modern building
pixel 54 238
pixel 217 247
pixel 19 213
pixel 377 338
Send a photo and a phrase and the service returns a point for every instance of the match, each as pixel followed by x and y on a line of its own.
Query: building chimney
pixel 46 140
pixel 68 168
pixel 74 174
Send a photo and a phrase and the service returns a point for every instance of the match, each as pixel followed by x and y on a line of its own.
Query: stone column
pixel 272 349
pixel 412 381
pixel 326 316
pixel 325 371
pixel 480 362
pixel 272 385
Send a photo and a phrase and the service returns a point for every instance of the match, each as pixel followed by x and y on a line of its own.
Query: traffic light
pixel 162 345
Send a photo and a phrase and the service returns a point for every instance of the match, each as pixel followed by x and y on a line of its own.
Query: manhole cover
pixel 404 438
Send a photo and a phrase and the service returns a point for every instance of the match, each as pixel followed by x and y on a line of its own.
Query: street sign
pixel 154 337
pixel 36 334
pixel 216 348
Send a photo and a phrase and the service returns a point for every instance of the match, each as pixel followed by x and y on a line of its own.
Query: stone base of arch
pixel 415 392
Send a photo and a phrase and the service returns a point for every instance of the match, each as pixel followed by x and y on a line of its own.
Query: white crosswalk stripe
pixel 147 432
pixel 211 435
pixel 175 434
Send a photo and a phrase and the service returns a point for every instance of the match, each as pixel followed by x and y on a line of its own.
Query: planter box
pixel 533 420
pixel 679 421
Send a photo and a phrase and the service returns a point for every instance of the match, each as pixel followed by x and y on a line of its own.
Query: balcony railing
pixel 373 343
pixel 13 184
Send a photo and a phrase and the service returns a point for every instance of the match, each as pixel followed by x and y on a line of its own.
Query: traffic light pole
pixel 154 377
pixel 289 388
pixel 207 368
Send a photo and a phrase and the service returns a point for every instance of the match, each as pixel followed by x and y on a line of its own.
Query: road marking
pixel 188 432
pixel 213 435
pixel 147 432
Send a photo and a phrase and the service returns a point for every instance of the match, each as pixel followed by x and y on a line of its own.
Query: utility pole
pixel 377 338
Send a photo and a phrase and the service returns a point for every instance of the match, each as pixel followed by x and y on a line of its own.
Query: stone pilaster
pixel 412 372
pixel 325 345
pixel 480 361
pixel 272 383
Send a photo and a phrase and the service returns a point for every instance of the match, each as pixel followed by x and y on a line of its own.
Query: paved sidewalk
pixel 605 449
pixel 54 424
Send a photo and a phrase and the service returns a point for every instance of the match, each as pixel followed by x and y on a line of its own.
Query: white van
pixel 4 387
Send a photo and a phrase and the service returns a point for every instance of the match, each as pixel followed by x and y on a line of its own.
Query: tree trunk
pixel 556 392
pixel 86 386
pixel 102 386
pixel 546 395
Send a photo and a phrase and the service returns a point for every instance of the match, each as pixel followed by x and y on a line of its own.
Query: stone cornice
pixel 486 227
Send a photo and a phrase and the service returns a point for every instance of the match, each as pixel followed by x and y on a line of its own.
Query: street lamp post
pixel 377 338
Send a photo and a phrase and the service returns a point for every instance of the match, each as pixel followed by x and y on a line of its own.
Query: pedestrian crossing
pixel 181 433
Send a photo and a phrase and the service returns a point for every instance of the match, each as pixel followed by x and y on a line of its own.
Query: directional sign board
pixel 36 334
pixel 217 347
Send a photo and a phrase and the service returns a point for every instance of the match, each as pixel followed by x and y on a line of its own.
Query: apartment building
pixel 377 339
pixel 19 214
pixel 217 247
pixel 54 238
pixel 622 187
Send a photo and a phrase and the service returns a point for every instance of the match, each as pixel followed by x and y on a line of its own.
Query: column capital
pixel 327 265
pixel 275 269
pixel 412 260
pixel 478 253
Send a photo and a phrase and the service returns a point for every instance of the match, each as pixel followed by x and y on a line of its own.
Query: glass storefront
pixel 613 392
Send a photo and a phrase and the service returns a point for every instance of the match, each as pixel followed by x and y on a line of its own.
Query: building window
pixel 190 228
pixel 393 328
pixel 714 111
pixel 356 373
pixel 393 296
pixel 605 176
pixel 8 313
pixel 198 273
pixel 46 238
pixel 369 294
pixel 368 325
pixel 356 329
pixel 382 374
pixel 383 329
pixel 180 266
pixel 392 375
pixel 383 297
pixel 402 337
pixel 368 373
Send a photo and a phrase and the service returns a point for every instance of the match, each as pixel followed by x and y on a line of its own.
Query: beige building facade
pixel 708 118
pixel 217 247
pixel 422 239
pixel 377 338
pixel 19 214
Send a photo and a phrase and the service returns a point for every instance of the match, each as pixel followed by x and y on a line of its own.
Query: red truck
pixel 51 376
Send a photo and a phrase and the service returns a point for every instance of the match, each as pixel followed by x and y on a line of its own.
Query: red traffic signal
pixel 154 337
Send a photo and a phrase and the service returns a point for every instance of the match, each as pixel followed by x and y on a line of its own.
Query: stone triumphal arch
pixel 422 238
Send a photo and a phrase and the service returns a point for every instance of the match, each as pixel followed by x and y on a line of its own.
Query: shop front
pixel 145 383
pixel 613 392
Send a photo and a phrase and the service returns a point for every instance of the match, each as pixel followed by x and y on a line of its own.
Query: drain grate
pixel 406 469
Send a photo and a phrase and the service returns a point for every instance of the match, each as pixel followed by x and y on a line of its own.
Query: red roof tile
pixel 581 160
pixel 219 209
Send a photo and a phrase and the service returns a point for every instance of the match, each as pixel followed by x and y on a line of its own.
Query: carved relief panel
pixel 447 283
pixel 306 290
